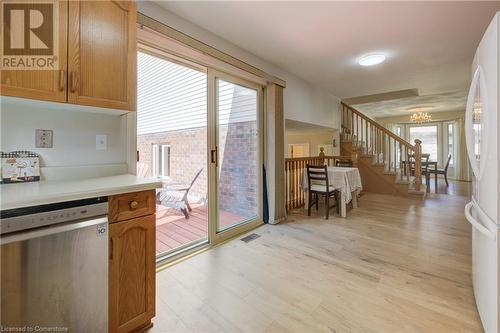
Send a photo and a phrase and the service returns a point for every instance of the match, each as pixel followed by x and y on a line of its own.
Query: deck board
pixel 174 230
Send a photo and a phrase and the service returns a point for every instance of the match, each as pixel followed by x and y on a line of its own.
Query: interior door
pixel 236 155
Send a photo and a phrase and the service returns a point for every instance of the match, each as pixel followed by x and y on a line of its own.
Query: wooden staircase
pixel 381 156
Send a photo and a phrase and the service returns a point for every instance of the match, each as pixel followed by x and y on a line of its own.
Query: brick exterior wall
pixel 238 187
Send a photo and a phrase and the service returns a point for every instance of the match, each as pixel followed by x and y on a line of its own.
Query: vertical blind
pixel 169 96
pixel 172 97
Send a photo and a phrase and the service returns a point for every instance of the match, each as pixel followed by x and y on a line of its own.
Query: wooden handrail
pixel 385 146
pixel 378 126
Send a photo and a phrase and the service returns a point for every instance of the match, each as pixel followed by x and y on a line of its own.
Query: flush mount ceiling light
pixel 371 59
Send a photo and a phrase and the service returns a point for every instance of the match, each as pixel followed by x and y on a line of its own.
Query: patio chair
pixel 142 170
pixel 176 196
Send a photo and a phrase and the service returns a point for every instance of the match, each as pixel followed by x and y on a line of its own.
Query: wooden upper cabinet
pixel 102 54
pixel 48 85
pixel 132 273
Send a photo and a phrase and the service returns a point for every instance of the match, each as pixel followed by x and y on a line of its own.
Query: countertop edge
pixel 62 197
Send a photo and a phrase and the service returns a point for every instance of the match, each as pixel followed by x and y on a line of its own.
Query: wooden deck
pixel 174 230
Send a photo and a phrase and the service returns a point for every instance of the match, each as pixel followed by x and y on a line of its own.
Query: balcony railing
pixel 294 171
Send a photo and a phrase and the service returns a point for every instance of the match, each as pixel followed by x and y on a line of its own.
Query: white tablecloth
pixel 346 180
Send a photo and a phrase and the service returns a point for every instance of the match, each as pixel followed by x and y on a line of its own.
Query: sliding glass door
pixel 172 143
pixel 237 154
pixel 200 133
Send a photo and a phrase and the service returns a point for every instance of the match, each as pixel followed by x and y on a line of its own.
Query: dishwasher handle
pixel 101 230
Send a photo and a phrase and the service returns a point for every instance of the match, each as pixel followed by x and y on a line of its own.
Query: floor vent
pixel 250 238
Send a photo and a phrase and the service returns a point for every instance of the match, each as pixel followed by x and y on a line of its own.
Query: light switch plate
pixel 101 142
pixel 43 138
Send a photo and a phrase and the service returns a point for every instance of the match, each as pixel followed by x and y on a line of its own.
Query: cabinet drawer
pixel 130 205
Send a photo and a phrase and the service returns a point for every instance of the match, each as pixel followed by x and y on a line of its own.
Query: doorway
pixel 199 132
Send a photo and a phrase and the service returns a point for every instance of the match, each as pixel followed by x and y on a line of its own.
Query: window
pixel 451 144
pixel 161 160
pixel 429 138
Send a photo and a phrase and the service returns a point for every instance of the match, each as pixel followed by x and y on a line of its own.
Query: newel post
pixel 418 164
pixel 321 156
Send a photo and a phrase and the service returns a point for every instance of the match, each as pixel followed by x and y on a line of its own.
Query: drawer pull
pixel 134 204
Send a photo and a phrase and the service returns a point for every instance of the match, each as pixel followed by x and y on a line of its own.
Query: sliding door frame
pixel 172 51
pixel 215 236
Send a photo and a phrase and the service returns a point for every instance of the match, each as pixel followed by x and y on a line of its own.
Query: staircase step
pixel 418 194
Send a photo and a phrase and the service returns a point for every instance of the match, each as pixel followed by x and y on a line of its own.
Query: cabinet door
pixel 102 54
pixel 131 274
pixel 48 85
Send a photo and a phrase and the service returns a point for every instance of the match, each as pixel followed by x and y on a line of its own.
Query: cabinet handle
pixel 62 79
pixel 134 204
pixel 74 82
pixel 110 249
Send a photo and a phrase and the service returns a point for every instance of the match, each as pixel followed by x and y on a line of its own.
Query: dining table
pixel 346 180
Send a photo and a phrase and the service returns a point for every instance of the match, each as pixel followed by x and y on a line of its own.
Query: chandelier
pixel 420 117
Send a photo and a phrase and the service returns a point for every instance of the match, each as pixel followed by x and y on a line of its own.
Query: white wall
pixel 74 140
pixel 303 101
pixel 313 138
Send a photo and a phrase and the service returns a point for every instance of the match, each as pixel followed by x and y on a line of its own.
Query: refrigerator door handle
pixel 478 81
pixel 476 224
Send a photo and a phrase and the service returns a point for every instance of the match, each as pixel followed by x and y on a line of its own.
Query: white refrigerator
pixel 482 124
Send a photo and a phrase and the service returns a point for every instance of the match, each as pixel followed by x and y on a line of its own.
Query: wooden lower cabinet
pixel 132 274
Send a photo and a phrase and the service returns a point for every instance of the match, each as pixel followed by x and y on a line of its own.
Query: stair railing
pixel 387 147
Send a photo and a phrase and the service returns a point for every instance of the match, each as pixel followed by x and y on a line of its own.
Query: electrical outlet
pixel 101 142
pixel 43 138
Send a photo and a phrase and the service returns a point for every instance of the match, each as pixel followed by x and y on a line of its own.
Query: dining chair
pixel 425 168
pixel 319 185
pixel 343 163
pixel 425 171
pixel 444 171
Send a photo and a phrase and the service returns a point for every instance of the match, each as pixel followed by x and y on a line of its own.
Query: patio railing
pixel 294 170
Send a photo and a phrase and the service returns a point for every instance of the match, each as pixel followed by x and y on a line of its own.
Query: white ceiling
pixel 454 101
pixel 429 45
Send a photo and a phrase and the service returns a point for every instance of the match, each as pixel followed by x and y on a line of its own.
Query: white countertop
pixel 46 192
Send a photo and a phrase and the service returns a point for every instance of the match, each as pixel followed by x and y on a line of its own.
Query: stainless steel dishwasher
pixel 54 267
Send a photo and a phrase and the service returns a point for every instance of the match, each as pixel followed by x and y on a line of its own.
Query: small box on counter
pixel 20 166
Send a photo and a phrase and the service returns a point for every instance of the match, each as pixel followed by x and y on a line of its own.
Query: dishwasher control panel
pixel 33 219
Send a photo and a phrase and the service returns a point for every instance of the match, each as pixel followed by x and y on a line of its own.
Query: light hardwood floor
pixel 394 265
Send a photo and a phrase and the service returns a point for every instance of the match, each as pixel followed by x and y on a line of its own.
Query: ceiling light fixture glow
pixel 371 59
